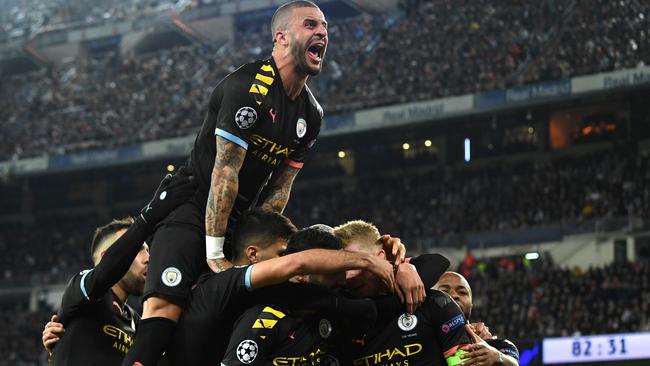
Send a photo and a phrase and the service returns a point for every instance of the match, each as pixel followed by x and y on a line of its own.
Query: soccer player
pixel 433 335
pixel 99 325
pixel 270 335
pixel 290 337
pixel 220 298
pixel 261 122
pixel 486 350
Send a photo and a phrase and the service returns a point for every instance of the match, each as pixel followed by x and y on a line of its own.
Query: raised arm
pixel 318 261
pixel 224 185
pixel 92 284
pixel 276 193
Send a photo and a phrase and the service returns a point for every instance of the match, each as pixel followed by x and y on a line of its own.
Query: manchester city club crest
pixel 324 328
pixel 407 322
pixel 301 127
pixel 171 276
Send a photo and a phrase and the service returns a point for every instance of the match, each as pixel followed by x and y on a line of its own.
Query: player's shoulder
pixel 313 104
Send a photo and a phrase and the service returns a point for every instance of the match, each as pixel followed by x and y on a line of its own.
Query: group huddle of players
pixel 231 280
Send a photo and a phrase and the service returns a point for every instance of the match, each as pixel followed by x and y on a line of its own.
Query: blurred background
pixel 513 136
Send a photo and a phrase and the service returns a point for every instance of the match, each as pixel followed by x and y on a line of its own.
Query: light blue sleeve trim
pixel 229 136
pixel 247 278
pixel 83 287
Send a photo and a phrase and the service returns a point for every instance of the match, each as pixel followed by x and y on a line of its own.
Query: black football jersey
pixel 435 331
pixel 97 331
pixel 251 109
pixel 218 300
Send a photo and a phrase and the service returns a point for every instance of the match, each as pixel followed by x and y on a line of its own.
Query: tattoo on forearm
pixel 223 187
pixel 279 189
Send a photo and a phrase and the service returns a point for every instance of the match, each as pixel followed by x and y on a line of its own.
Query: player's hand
pixel 395 250
pixel 480 353
pixel 218 265
pixel 409 287
pixel 52 333
pixel 482 330
pixel 382 269
pixel 172 191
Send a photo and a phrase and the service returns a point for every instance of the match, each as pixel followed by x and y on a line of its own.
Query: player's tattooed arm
pixel 277 192
pixel 224 185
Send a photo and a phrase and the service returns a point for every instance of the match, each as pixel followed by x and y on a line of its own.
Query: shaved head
pixel 454 284
pixel 281 17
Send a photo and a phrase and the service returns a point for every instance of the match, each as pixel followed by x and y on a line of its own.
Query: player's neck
pixel 293 80
pixel 120 292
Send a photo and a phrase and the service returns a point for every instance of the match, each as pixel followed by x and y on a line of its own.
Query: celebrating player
pixel 262 120
pixel 433 335
pixel 486 350
pixel 99 325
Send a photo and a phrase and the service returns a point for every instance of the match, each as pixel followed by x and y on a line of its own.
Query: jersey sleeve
pixel 254 336
pixel 235 108
pixel 506 347
pixel 448 323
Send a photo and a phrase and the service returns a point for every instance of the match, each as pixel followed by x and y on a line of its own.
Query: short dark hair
pixel 314 237
pixel 261 227
pixel 283 13
pixel 102 233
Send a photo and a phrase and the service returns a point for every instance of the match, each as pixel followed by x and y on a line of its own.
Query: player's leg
pixel 177 259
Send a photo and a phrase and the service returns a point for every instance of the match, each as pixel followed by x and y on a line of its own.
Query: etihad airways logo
pixel 317 357
pixel 123 340
pixel 268 150
pixel 391 356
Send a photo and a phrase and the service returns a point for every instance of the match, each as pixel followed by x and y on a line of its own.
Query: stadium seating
pixel 373 60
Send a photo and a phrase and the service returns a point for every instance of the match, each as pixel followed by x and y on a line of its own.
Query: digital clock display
pixel 614 347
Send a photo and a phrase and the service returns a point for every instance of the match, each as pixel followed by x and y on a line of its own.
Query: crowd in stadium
pixel 458 200
pixel 518 299
pixel 121 100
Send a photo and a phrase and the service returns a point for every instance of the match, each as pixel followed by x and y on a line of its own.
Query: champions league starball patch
pixel 171 276
pixel 245 117
pixel 247 351
pixel 407 322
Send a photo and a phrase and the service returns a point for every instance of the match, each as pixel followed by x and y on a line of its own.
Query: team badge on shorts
pixel 245 117
pixel 171 276
pixel 407 322
pixel 301 127
pixel 324 328
pixel 247 351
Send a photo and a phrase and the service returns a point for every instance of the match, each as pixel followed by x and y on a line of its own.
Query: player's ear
pixel 281 37
pixel 382 253
pixel 252 253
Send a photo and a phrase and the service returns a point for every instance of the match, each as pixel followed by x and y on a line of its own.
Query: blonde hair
pixel 365 233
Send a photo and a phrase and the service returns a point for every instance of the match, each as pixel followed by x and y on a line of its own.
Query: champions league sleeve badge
pixel 245 117
pixel 407 322
pixel 247 351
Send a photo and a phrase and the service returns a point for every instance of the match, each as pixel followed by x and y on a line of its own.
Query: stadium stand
pixel 117 101
pixel 519 299
pixel 434 49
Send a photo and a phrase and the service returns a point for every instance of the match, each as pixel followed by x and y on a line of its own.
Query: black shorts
pixel 176 260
